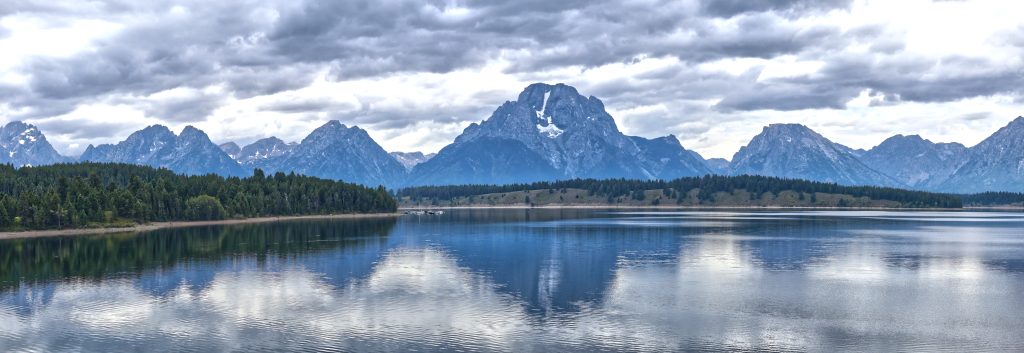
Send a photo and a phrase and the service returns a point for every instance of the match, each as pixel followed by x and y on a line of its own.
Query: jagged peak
pixel 537 95
pixel 898 138
pixel 1011 130
pixel 787 127
pixel 538 88
pixel 156 127
pixel 190 129
pixel 333 124
pixel 158 131
pixel 1018 122
pixel 412 154
pixel 669 139
pixel 192 132
pixel 18 124
pixel 271 140
pixel 786 130
pixel 328 127
pixel 333 129
pixel 21 129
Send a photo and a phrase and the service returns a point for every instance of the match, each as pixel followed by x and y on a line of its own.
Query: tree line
pixel 93 194
pixel 706 186
pixel 998 198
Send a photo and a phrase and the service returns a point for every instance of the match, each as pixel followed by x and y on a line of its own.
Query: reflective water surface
pixel 529 281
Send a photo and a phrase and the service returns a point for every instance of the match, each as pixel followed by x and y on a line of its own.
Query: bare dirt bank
pixel 160 225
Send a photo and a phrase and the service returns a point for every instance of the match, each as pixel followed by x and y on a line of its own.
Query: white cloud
pixel 33 37
pixel 858 74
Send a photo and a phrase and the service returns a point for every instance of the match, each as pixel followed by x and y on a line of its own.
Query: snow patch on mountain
pixel 23 145
pixel 557 134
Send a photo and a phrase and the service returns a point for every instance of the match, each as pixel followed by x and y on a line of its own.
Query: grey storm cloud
pixel 894 79
pixel 252 48
pixel 729 8
pixel 303 105
pixel 78 129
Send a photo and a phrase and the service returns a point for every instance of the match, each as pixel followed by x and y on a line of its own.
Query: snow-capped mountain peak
pixel 22 144
pixel 551 132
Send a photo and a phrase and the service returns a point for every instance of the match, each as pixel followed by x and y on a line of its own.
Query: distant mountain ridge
pixel 995 164
pixel 190 153
pixel 551 132
pixel 231 149
pixel 336 151
pixel 915 161
pixel 264 153
pixel 795 151
pixel 411 159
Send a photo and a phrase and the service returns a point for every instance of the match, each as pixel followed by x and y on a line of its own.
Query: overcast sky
pixel 415 73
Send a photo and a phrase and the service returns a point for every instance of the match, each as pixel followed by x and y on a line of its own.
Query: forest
pixel 703 189
pixel 998 198
pixel 97 195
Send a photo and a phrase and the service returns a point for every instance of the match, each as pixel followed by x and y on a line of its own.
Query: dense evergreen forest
pixel 986 199
pixel 93 194
pixel 702 189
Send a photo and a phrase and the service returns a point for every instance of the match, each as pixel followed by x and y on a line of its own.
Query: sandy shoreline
pixel 183 224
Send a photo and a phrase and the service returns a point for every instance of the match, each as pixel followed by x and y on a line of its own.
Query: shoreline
pixel 185 224
pixel 138 228
pixel 675 207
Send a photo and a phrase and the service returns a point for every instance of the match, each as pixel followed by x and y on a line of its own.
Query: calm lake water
pixel 530 281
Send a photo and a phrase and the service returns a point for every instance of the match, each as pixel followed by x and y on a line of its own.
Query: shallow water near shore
pixel 523 280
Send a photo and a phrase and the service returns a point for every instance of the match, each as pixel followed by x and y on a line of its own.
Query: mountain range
pixel 915 161
pixel 797 152
pixel 553 132
pixel 190 152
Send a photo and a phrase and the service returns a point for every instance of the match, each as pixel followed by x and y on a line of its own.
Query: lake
pixel 541 280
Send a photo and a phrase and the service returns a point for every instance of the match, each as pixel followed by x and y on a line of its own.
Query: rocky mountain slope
pixel 995 164
pixel 333 151
pixel 552 132
pixel 795 151
pixel 23 144
pixel 916 162
pixel 191 152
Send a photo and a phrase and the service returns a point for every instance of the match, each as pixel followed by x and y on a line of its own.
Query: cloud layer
pixel 414 73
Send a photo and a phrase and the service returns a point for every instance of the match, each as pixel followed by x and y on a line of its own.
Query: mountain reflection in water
pixel 529 280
